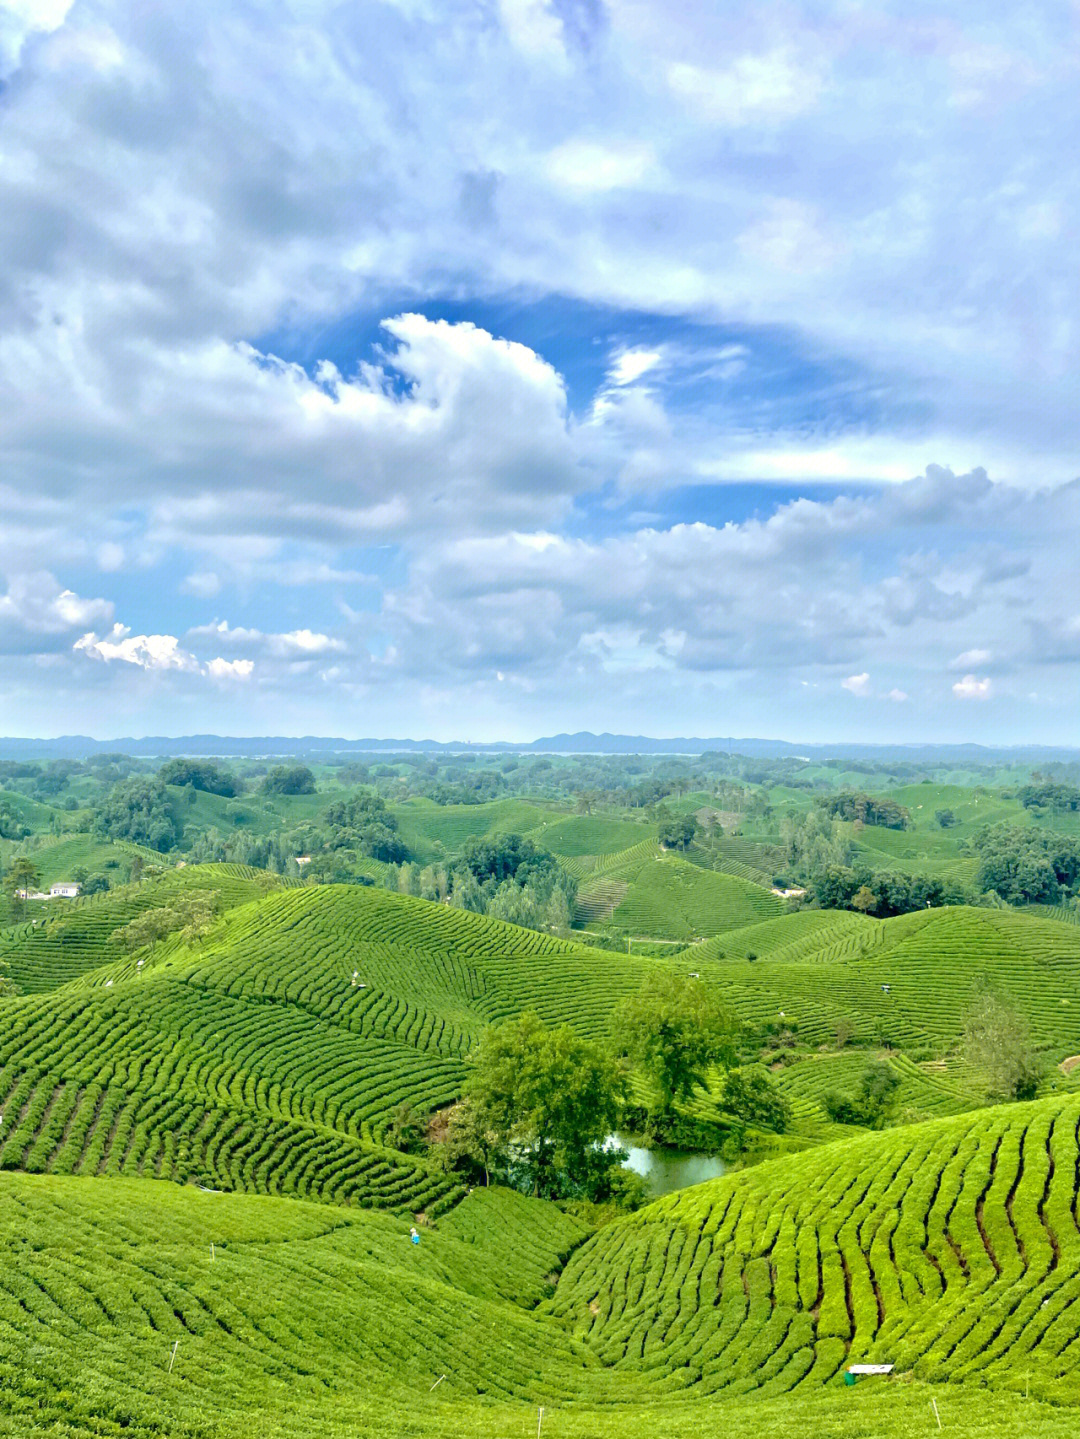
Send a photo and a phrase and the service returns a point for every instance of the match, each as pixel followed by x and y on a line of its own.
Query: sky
pixel 485 369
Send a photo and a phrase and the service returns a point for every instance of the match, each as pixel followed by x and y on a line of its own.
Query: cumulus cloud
pixel 222 669
pixel 190 225
pixel 148 652
pixel 35 609
pixel 857 684
pixel 290 644
pixel 972 688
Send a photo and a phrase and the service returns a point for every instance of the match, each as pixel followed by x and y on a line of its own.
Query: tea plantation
pixel 949 1251
pixel 271 1289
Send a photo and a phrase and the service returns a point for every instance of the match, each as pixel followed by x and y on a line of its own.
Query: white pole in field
pixel 172 1356
pixel 937 1416
pixel 211 1251
pixel 540 1422
pixel 437 1382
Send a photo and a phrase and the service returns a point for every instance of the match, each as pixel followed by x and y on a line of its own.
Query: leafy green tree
pixel 873 1103
pixel 945 818
pixel 190 915
pixel 672 1029
pixel 139 810
pixel 679 832
pixel 365 824
pixel 997 1043
pixel 547 1099
pixel 24 875
pixel 202 775
pixel 752 1098
pixel 289 779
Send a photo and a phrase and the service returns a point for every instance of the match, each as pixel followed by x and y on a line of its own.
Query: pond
pixel 667 1169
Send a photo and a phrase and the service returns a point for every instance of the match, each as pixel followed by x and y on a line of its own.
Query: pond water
pixel 667 1169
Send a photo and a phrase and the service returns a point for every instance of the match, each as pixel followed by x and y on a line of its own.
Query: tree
pixel 191 915
pixel 678 833
pixel 289 779
pixel 24 875
pixel 864 899
pixel 997 1042
pixel 547 1099
pixel 945 818
pixel 138 810
pixel 673 1029
pixel 752 1098
pixel 874 1101
pixel 202 775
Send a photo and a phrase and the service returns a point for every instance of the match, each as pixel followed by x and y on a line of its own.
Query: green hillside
pixel 63 939
pixel 950 1251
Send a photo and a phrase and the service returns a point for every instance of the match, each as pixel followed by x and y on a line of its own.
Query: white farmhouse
pixel 65 889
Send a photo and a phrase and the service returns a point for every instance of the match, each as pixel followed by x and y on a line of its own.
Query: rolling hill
pixel 949 1251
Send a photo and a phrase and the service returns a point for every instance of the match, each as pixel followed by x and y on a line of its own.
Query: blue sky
pixel 488 370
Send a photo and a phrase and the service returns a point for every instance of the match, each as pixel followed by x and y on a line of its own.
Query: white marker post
pixel 172 1356
pixel 211 1252
pixel 437 1382
pixel 937 1416
pixel 540 1422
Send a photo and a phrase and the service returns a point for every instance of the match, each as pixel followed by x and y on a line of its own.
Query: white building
pixel 66 889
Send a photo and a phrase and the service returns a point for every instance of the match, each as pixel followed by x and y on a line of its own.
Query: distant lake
pixel 665 1170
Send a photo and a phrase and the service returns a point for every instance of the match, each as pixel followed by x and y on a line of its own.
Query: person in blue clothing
pixel 413 1235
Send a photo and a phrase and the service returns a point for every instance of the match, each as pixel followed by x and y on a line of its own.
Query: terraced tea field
pixel 645 892
pixel 950 1250
pixel 67 938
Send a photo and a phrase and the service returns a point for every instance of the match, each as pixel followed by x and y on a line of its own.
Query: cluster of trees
pixel 810 844
pixel 540 1103
pixel 289 779
pixel 363 823
pixel 1050 795
pixel 874 1101
pixel 189 915
pixel 679 832
pixel 883 892
pixel 866 809
pixel 202 775
pixel 1027 866
pixel 139 810
pixel 472 789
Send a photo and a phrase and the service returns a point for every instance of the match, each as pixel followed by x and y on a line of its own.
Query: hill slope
pixel 951 1250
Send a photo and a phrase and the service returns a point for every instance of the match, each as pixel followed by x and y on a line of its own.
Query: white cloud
pixel 291 644
pixel 583 165
pixel 969 659
pixel 148 652
pixel 35 608
pixel 897 696
pixel 755 88
pixel 972 688
pixel 628 366
pixel 230 669
pixel 857 684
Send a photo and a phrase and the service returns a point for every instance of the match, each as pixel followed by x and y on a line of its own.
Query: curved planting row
pixel 951 1250
pixel 73 937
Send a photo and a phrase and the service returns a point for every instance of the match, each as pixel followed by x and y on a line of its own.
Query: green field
pixel 239 1091
pixel 949 1251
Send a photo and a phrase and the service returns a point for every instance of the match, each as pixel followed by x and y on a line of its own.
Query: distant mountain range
pixel 233 746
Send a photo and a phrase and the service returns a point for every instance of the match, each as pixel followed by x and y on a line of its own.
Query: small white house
pixel 303 859
pixel 65 889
